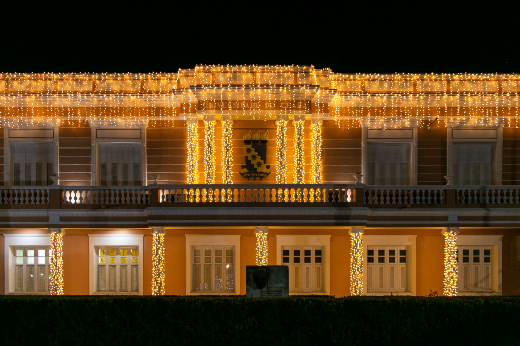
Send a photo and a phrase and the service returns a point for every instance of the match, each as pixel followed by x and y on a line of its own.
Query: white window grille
pixel 31 269
pixel 306 268
pixel 117 269
pixel 32 163
pixel 213 269
pixel 120 164
pixel 388 163
pixel 473 163
pixel 387 270
pixel 475 269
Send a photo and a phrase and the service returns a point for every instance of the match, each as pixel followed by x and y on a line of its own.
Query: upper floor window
pixel 32 163
pixel 119 164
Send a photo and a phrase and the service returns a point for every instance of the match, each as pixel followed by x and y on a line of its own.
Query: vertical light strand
pixel 193 152
pixel 316 141
pixel 281 150
pixel 450 262
pixel 56 262
pixel 261 245
pixel 158 272
pixel 356 261
pixel 209 152
pixel 227 152
pixel 299 158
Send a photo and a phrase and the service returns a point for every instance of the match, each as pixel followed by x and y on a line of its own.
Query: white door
pixel 119 164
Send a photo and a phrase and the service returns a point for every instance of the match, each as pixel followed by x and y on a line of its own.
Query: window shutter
pixel 123 279
pixel 135 278
pixel 370 280
pixel 403 279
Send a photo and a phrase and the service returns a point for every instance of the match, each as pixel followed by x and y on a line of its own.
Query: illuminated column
pixel 227 149
pixel 261 245
pixel 356 260
pixel 281 148
pixel 316 141
pixel 193 151
pixel 209 149
pixel 450 261
pixel 56 262
pixel 299 158
pixel 158 274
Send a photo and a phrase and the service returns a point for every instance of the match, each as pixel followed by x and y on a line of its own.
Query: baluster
pixel 37 197
pixel 375 198
pixel 47 197
pixel 510 194
pixel 32 196
pixel 516 196
pixel 492 196
pixel 26 195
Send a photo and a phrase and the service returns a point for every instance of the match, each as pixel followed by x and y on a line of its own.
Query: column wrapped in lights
pixel 261 245
pixel 316 141
pixel 281 149
pixel 209 150
pixel 356 261
pixel 193 151
pixel 56 262
pixel 299 158
pixel 450 262
pixel 158 272
pixel 227 149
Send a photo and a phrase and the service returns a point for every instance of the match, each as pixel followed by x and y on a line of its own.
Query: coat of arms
pixel 256 149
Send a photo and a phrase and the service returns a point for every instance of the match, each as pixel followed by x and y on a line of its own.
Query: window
pixel 212 264
pixel 115 264
pixel 32 163
pixel 306 272
pixel 119 164
pixel 213 269
pixel 117 269
pixel 387 269
pixel 473 163
pixel 31 271
pixel 475 269
pixel 388 164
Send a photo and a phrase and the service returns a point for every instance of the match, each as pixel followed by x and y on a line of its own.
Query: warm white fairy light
pixel 192 144
pixel 158 271
pixel 316 152
pixel 450 262
pixel 261 245
pixel 56 262
pixel 356 261
pixel 227 151
pixel 281 150
pixel 209 152
pixel 299 157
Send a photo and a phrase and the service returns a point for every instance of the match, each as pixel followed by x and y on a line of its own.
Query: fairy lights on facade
pixel 261 245
pixel 281 150
pixel 193 153
pixel 209 152
pixel 356 261
pixel 299 157
pixel 450 262
pixel 158 272
pixel 227 151
pixel 316 152
pixel 56 262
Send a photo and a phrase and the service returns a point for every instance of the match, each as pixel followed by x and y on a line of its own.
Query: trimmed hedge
pixel 130 320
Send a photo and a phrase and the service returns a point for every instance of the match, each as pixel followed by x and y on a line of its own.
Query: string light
pixel 356 262
pixel 450 262
pixel 227 151
pixel 158 272
pixel 281 150
pixel 299 158
pixel 209 152
pixel 261 245
pixel 316 152
pixel 193 152
pixel 56 262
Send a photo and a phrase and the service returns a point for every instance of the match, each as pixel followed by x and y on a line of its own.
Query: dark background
pixel 367 38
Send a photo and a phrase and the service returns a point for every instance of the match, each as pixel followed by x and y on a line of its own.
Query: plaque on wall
pixel 267 281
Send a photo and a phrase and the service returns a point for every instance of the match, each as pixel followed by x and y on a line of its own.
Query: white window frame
pixel 392 139
pixel 312 267
pixel 212 240
pixel 495 243
pixel 310 241
pixel 224 265
pixel 119 136
pixel 497 155
pixel 20 240
pixel 115 240
pixel 408 241
pixel 31 136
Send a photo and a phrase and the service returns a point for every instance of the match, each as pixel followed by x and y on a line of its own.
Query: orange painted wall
pixel 430 264
pixel 75 264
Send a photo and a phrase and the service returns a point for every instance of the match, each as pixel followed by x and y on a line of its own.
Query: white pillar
pixel 316 142
pixel 209 149
pixel 227 149
pixel 56 261
pixel 192 145
pixel 281 149
pixel 356 260
pixel 299 156
pixel 261 245
pixel 158 272
pixel 450 261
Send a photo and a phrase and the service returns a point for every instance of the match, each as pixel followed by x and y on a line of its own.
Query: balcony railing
pixel 341 195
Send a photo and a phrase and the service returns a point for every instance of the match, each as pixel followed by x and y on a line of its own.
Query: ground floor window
pixel 306 271
pixel 475 268
pixel 213 269
pixel 387 269
pixel 31 269
pixel 117 269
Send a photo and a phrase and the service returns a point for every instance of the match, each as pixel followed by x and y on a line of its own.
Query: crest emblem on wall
pixel 255 147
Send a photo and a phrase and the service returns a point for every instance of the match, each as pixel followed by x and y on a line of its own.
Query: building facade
pixel 362 184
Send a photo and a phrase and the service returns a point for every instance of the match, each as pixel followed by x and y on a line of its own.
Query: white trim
pixel 495 242
pixel 393 240
pixel 303 240
pixel 9 262
pixel 212 240
pixel 113 240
